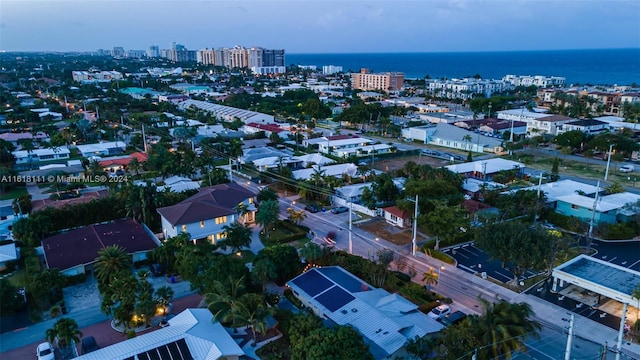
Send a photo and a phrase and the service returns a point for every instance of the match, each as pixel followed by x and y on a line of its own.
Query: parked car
pixel 453 318
pixel 339 209
pixel 45 351
pixel 157 270
pixel 89 344
pixel 626 168
pixel 311 208
pixel 439 312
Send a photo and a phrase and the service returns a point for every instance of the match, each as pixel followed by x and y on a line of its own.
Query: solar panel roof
pixel 312 282
pixel 334 298
pixel 343 279
pixel 177 350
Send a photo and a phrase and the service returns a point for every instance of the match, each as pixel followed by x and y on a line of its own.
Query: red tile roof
pixel 473 206
pixel 394 210
pixel 123 161
pixel 266 127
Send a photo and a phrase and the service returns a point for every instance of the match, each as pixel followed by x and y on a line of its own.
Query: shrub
pixel 75 279
pixel 621 231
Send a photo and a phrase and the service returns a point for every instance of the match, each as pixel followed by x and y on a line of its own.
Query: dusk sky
pixel 321 26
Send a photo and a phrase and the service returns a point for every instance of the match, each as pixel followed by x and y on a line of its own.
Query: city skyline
pixel 321 26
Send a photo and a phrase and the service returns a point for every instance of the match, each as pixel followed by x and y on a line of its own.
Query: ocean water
pixel 606 66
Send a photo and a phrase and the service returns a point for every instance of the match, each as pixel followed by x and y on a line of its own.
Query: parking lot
pixel 474 260
pixel 623 253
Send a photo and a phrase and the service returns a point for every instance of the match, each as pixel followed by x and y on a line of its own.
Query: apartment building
pixel 206 56
pixel 466 88
pixel 365 80
pixel 331 69
pixel 255 57
pixel 95 76
pixel 537 80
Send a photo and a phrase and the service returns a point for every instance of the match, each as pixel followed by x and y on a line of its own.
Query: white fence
pixel 356 207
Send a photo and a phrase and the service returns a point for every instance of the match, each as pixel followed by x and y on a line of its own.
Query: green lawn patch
pixel 284 232
pixel 14 193
pixel 18 278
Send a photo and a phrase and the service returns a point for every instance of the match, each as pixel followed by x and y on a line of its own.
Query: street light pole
pixel 606 173
pixel 414 244
pixel 350 240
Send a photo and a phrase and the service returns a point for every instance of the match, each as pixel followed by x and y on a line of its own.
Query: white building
pixel 102 149
pixel 331 69
pixel 386 321
pixel 228 113
pixel 337 144
pixel 331 170
pixel 192 334
pixel 266 70
pixel 537 80
pixel 465 88
pixel 95 76
pixel 37 155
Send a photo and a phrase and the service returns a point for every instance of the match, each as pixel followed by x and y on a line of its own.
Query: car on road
pixel 45 351
pixel 312 208
pixel 453 318
pixel 626 168
pixel 89 344
pixel 339 209
pixel 439 312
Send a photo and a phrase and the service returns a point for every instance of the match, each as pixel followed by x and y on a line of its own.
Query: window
pixel 201 224
pixel 221 236
pixel 250 200
pixel 221 220
pixel 184 227
pixel 576 207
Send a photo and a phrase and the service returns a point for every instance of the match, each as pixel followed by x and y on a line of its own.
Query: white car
pixel 45 351
pixel 626 168
pixel 439 312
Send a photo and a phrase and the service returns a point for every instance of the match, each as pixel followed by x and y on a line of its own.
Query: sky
pixel 318 26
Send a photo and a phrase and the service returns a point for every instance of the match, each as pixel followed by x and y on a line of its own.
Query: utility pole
pixel 606 173
pixel 621 330
pixel 414 244
pixel 567 352
pixel 593 216
pixel 230 170
pixel 144 140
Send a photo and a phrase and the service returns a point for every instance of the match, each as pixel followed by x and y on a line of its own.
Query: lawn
pixel 18 278
pixel 284 232
pixel 14 193
pixel 383 230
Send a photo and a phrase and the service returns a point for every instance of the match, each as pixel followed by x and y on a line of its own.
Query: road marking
pixel 466 269
pixel 501 274
pixel 613 258
pixel 20 329
pixel 634 264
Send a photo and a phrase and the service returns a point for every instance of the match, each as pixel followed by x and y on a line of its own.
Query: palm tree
pixel 164 295
pixel 135 166
pixel 264 270
pixel 220 301
pixel 252 311
pixel 110 261
pixel 268 214
pixel 466 139
pixel 242 210
pixel 65 333
pixel 238 237
pixel 430 278
pixel 503 328
pixel 296 216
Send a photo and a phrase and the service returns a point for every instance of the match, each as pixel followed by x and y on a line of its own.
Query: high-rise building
pixel 206 57
pixel 389 81
pixel 331 69
pixel 153 52
pixel 255 56
pixel 273 57
pixel 238 57
pixel 136 54
pixel 118 52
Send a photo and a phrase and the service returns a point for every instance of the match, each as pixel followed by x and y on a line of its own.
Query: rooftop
pixel 605 278
pixel 81 246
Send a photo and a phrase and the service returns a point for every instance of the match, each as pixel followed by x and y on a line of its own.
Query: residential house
pixel 451 136
pixel 336 144
pixel 14 137
pixel 337 170
pixel 173 98
pixel 192 334
pixel 502 127
pixel 485 169
pixel 26 159
pixel 72 171
pixel 205 214
pixel 474 188
pixel 102 149
pixel 75 251
pixel 549 124
pixel 557 189
pixel 587 126
pixel 113 164
pixel 8 252
pixel 178 184
pixel 7 219
pixel 396 217
pixel 386 321
pixel 268 129
pixel 608 209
